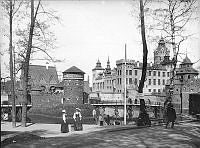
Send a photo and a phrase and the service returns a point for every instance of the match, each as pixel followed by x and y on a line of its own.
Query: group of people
pixel 170 116
pixel 77 121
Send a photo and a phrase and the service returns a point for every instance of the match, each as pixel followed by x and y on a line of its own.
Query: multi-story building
pixel 107 81
pixel 156 77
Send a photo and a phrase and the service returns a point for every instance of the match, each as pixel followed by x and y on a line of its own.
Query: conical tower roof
pixel 74 69
pixel 186 60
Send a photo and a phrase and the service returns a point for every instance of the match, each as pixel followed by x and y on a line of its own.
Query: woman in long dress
pixel 64 124
pixel 77 120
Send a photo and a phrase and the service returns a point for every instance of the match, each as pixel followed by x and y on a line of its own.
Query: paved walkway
pixel 184 135
pixel 45 130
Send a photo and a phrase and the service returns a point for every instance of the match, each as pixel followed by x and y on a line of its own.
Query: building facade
pixel 107 81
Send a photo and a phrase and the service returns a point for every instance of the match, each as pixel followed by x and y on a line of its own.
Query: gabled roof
pixel 74 69
pixel 41 75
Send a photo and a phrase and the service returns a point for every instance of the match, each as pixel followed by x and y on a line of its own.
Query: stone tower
pixel 73 79
pixel 161 52
pixel 186 71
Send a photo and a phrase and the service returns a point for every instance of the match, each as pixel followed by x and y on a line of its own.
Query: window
pixel 158 81
pixel 154 81
pixel 126 72
pixel 135 81
pixel 158 90
pixel 136 72
pixel 188 76
pixel 163 81
pixel 149 73
pixel 159 73
pixel 126 80
pixel 154 90
pixel 120 72
pixel 130 72
pixel 154 73
pixel 167 74
pixel 120 81
pixel 130 81
pixel 149 90
pixel 163 74
pixel 149 81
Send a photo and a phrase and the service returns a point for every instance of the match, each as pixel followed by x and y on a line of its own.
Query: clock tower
pixel 73 79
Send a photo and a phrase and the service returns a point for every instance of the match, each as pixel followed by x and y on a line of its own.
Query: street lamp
pixel 181 95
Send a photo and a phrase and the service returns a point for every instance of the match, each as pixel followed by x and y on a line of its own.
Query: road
pixel 186 135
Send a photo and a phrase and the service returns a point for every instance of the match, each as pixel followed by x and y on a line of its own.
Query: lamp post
pixel 181 95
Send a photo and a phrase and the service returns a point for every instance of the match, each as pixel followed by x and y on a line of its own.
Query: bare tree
pixel 33 36
pixel 11 7
pixel 39 39
pixel 172 20
pixel 11 67
pixel 145 50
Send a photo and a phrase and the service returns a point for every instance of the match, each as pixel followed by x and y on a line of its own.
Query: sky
pixel 92 30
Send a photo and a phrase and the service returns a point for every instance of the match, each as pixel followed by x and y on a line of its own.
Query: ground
pixel 185 135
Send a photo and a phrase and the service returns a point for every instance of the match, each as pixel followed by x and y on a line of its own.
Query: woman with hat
pixel 77 120
pixel 64 124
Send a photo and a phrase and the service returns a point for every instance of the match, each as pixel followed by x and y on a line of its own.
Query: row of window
pixel 154 82
pixel 128 81
pixel 158 73
pixel 128 72
pixel 101 86
pixel 155 73
pixel 154 90
pixel 135 81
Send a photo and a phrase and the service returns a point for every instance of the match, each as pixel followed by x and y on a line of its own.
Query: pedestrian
pixel 94 114
pixel 77 120
pixel 64 124
pixel 170 115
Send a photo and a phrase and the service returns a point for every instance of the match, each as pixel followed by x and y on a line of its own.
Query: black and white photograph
pixel 100 73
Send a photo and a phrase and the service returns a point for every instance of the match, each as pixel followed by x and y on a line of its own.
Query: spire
pixel 108 60
pixel 108 64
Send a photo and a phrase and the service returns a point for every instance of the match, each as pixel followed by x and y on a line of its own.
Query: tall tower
pixel 98 69
pixel 161 52
pixel 73 79
pixel 108 69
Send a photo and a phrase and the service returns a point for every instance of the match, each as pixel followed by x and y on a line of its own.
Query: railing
pixel 121 102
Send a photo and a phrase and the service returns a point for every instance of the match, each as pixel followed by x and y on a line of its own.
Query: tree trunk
pixel 11 68
pixel 145 50
pixel 26 67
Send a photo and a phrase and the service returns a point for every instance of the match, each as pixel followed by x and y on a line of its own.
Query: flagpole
pixel 125 88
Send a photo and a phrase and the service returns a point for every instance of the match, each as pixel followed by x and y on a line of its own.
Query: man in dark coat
pixel 170 115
